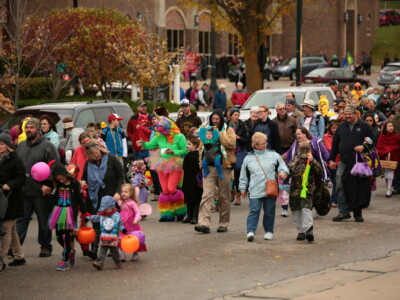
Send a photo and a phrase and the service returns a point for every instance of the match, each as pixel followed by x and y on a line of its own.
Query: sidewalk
pixel 366 280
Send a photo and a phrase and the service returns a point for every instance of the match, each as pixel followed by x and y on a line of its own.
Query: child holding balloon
pixel 66 198
pixel 130 216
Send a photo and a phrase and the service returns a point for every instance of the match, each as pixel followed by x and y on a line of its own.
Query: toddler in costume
pixel 130 217
pixel 110 227
pixel 211 152
pixel 139 181
pixel 303 171
pixel 66 198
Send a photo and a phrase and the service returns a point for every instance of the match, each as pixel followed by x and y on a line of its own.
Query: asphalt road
pixel 183 264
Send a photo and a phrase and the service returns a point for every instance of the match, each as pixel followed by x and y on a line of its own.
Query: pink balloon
pixel 40 171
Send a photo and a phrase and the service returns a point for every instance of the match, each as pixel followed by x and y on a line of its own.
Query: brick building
pixel 331 26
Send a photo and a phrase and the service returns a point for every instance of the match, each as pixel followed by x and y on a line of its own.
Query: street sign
pixel 190 61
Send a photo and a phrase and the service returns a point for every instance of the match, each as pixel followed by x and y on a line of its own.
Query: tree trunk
pixel 253 74
pixel 154 97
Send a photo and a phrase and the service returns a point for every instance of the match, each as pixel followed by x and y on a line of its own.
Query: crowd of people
pixel 197 169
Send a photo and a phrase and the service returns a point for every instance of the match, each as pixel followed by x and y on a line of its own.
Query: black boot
pixel 187 219
pixel 310 235
pixel 301 236
pixel 194 221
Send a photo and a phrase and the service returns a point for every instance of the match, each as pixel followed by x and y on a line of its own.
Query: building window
pixel 233 43
pixel 175 39
pixel 204 44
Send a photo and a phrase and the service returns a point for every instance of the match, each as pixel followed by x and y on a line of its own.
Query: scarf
pixel 95 178
pixel 389 143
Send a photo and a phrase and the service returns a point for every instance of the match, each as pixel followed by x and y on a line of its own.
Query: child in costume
pixel 168 162
pixel 302 190
pixel 211 152
pixel 110 227
pixel 191 187
pixel 130 216
pixel 67 198
pixel 139 181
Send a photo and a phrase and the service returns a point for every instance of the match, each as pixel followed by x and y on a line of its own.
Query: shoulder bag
pixel 271 186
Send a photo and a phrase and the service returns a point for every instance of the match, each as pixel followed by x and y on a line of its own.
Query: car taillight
pixel 397 74
pixel 326 64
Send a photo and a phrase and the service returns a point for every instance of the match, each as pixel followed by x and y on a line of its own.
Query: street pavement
pixel 183 264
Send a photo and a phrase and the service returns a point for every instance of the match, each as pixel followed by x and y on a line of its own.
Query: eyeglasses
pixel 281 108
pixel 261 111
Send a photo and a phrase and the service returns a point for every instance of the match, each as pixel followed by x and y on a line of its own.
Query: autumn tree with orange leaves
pixel 252 20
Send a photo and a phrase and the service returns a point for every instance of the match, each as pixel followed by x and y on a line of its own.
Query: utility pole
pixel 299 47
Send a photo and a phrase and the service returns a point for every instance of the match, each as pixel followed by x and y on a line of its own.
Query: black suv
pixel 82 113
pixel 288 67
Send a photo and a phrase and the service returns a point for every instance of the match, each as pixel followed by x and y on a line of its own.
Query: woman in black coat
pixel 12 180
pixel 242 146
pixel 104 175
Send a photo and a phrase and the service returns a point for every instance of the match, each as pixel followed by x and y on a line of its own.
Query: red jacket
pixel 137 129
pixel 239 97
pixel 79 158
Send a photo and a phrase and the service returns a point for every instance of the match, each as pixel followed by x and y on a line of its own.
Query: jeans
pixel 269 214
pixel 396 181
pixel 343 204
pixel 41 206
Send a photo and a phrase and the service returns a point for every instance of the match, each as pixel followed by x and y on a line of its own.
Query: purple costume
pixel 143 191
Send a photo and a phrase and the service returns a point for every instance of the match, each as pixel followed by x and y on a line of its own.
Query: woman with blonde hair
pixel 103 174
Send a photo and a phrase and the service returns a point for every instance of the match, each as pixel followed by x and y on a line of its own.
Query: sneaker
pixel 340 217
pixel 155 198
pixel 44 252
pixel 250 236
pixel 268 236
pixel 98 265
pixel 71 258
pixel 284 213
pixel 17 262
pixel 62 266
pixel 118 265
pixel 389 193
pixel 135 256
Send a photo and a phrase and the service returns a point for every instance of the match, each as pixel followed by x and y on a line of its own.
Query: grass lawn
pixel 390 5
pixel 387 39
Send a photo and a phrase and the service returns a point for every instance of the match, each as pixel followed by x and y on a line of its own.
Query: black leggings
pixel 66 239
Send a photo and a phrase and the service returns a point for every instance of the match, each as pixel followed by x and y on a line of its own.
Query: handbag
pixel 389 164
pixel 271 186
pixel 361 169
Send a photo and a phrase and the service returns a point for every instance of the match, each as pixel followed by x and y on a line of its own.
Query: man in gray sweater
pixel 33 150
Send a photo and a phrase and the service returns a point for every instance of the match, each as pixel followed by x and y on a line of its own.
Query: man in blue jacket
pixel 312 121
pixel 115 138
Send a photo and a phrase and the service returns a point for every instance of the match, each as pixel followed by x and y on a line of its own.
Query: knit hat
pixel 233 110
pixel 34 122
pixel 304 149
pixel 6 139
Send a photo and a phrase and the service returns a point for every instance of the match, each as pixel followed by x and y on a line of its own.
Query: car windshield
pixel 391 68
pixel 317 72
pixel 16 118
pixel 270 99
pixel 382 14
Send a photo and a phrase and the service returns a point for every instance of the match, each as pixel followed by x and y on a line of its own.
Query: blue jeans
pixel 254 215
pixel 343 204
pixel 41 206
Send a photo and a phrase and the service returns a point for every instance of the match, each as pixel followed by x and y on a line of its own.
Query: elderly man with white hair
pixel 240 95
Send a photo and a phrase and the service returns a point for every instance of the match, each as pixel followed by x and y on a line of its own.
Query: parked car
pixel 390 74
pixel 288 67
pixel 343 75
pixel 81 113
pixel 270 97
pixel 389 17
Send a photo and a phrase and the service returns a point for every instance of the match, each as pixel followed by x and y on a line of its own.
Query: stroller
pixel 3 209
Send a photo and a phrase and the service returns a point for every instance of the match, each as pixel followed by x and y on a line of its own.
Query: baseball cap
pixel 291 102
pixel 385 96
pixel 113 117
pixel 184 102
pixel 140 103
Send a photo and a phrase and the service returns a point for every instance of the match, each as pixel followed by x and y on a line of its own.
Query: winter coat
pixel 271 130
pixel 12 173
pixel 133 131
pixel 220 100
pixel 317 129
pixel 52 137
pixel 191 169
pixel 243 142
pixel 40 151
pixel 186 122
pixel 239 97
pixel 272 164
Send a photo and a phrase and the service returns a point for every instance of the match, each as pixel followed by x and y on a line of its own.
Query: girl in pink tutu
pixel 66 198
pixel 130 216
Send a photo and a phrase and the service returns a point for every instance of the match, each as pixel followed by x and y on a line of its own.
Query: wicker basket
pixel 389 164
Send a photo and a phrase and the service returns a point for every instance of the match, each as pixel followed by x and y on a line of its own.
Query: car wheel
pixel 276 77
pixel 293 75
pixel 269 76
